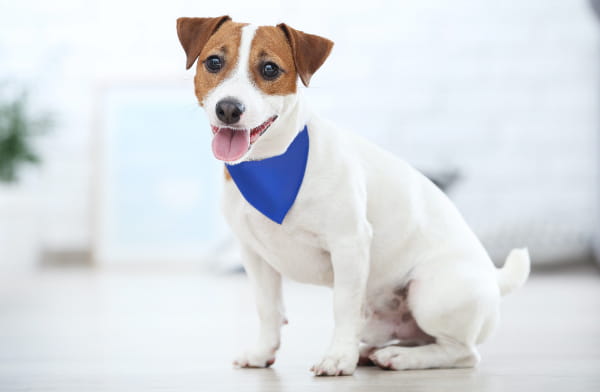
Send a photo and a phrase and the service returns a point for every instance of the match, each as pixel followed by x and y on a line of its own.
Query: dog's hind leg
pixel 442 354
pixel 458 312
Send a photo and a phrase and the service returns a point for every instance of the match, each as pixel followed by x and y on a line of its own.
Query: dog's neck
pixel 283 131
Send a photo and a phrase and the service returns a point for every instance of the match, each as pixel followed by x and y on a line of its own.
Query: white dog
pixel 413 286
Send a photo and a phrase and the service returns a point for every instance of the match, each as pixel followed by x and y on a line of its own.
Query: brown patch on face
pixel 309 51
pixel 225 43
pixel 194 32
pixel 271 45
pixel 226 172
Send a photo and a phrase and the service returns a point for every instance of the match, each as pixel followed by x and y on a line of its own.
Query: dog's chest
pixel 292 248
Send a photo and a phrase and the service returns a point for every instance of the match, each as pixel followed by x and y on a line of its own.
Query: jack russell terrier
pixel 413 286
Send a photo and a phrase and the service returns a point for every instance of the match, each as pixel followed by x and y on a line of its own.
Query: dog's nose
pixel 229 110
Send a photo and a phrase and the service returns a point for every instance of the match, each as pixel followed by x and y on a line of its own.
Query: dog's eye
pixel 213 64
pixel 270 71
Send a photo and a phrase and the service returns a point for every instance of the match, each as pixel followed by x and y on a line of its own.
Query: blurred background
pixel 497 100
pixel 115 263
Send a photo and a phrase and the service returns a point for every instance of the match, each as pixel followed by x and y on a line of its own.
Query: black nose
pixel 229 110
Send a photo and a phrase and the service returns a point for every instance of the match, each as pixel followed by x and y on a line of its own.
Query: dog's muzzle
pixel 230 144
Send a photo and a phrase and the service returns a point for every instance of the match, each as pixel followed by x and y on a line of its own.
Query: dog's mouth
pixel 230 144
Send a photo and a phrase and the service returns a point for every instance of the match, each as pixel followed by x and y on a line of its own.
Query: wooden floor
pixel 156 331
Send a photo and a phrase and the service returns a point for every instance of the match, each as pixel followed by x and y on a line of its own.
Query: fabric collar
pixel 271 185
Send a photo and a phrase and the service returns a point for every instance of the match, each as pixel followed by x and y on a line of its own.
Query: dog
pixel 413 286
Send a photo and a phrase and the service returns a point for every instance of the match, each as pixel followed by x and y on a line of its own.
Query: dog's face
pixel 246 80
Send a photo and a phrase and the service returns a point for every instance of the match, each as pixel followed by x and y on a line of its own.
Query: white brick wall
pixel 506 91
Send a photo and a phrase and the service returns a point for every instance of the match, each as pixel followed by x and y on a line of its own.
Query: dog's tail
pixel 514 272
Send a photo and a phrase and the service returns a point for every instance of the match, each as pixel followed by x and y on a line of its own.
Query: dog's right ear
pixel 194 33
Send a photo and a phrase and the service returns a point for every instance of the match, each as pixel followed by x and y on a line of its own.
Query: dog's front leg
pixel 350 261
pixel 266 285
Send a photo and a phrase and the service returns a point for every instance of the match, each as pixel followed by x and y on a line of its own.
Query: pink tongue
pixel 229 145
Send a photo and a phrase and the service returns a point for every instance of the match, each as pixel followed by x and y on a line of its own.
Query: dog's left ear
pixel 194 33
pixel 309 51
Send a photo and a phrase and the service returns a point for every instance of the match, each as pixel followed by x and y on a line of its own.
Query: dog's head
pixel 246 80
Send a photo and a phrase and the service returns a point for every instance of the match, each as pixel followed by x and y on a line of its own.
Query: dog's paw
pixel 255 359
pixel 338 363
pixel 386 358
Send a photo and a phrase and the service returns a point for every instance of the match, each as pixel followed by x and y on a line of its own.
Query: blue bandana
pixel 271 185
